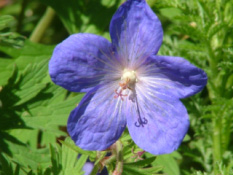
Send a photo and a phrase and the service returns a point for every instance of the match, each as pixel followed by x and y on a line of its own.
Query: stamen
pixel 128 82
pixel 119 94
pixel 138 155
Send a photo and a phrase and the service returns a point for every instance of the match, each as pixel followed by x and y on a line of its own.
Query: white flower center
pixel 129 77
pixel 127 84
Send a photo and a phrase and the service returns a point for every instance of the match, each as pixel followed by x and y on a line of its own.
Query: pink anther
pixel 119 94
pixel 138 155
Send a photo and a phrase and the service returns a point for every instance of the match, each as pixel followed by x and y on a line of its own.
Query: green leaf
pixel 69 158
pixel 141 167
pixel 6 67
pixel 50 113
pixel 30 83
pixel 170 166
pixel 28 136
pixel 132 170
pixel 5 20
pixel 8 38
pixel 142 163
pixel 85 16
pixel 28 54
pixel 27 157
pixel 69 143
pixel 80 163
pixel 55 152
pixel 6 166
pixel 70 162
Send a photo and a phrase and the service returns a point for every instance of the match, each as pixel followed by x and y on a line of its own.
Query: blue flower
pixel 126 83
pixel 88 167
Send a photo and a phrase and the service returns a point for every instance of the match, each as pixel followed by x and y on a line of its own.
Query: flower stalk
pixel 43 24
pixel 119 155
pixel 217 152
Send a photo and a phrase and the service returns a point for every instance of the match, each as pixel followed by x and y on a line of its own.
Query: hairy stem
pixel 119 164
pixel 42 25
pixel 95 170
pixel 21 15
pixel 217 152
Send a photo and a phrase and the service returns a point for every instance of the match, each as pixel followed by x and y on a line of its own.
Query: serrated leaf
pixel 69 143
pixel 5 20
pixel 6 165
pixel 6 68
pixel 55 152
pixel 215 28
pixel 69 158
pixel 142 163
pixel 44 117
pixel 71 164
pixel 139 167
pixel 28 136
pixel 27 157
pixel 30 83
pixel 85 16
pixel 80 163
pixel 28 54
pixel 170 166
pixel 132 170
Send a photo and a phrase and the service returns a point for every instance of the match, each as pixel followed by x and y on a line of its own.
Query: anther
pixel 119 94
pixel 128 82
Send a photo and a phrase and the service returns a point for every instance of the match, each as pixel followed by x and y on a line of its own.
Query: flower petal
pixel 136 31
pixel 87 168
pixel 173 75
pixel 80 62
pixel 99 119
pixel 157 122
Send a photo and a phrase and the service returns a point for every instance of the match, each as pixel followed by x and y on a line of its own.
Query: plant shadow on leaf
pixel 79 15
pixel 10 118
pixel 4 145
pixel 14 105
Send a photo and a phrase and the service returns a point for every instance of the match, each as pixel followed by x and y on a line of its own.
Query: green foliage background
pixel 34 111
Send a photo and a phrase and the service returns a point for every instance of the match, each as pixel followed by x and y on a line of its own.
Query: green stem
pixel 95 170
pixel 42 25
pixel 111 159
pixel 21 15
pixel 214 72
pixel 119 164
pixel 217 151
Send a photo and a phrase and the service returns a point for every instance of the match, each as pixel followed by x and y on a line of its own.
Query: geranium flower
pixel 126 83
pixel 88 167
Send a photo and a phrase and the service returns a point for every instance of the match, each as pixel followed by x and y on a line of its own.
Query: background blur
pixel 34 111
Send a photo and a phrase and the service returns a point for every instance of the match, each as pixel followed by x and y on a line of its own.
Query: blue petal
pixel 87 168
pixel 99 120
pixel 80 62
pixel 136 31
pixel 157 122
pixel 173 75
